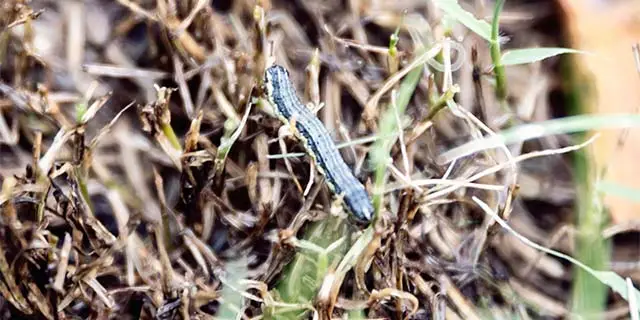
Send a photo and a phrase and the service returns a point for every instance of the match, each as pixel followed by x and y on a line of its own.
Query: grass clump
pixel 191 205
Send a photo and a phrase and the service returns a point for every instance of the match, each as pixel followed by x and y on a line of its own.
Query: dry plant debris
pixel 141 177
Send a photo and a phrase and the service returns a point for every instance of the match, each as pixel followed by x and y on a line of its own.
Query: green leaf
pixel 530 131
pixel 616 283
pixel 609 278
pixel 453 9
pixel 524 56
pixel 232 288
pixel 381 149
pixel 619 190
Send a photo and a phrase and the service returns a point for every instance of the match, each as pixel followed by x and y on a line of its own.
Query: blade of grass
pixel 323 244
pixel 231 297
pixel 388 127
pixel 233 130
pixel 453 9
pixel 345 144
pixel 541 129
pixel 530 55
pixel 501 79
pixel 609 278
pixel 588 294
pixel 616 189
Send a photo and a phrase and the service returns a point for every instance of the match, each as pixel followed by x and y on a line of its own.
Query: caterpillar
pixel 317 142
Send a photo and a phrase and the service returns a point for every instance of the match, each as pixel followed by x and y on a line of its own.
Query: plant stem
pixel 171 135
pixel 496 56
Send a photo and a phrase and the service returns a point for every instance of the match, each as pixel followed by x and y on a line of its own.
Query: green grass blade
pixel 494 46
pixel 521 133
pixel 231 297
pixel 453 9
pixel 388 126
pixel 618 190
pixel 530 55
pixel 609 278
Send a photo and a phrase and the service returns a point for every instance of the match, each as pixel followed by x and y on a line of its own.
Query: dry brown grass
pixel 108 212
